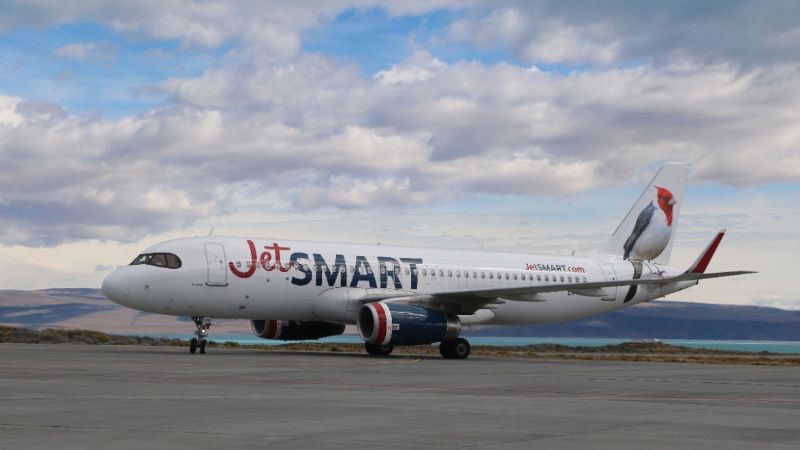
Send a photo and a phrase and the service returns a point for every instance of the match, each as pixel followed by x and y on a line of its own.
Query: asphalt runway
pixel 74 396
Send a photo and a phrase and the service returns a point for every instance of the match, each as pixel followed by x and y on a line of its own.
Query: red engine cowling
pixel 292 330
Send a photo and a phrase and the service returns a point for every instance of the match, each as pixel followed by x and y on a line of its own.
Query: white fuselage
pixel 238 278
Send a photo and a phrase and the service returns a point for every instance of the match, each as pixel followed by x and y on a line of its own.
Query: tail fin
pixel 648 230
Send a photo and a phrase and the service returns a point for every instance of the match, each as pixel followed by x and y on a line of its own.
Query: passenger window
pixel 506 276
pixel 398 270
pixel 584 279
pixel 546 278
pixel 569 278
pixel 538 278
pixel 458 273
pixel 491 275
pixel 449 273
pixel 414 271
pixel 238 264
pixel 483 274
pixel 515 276
pixel 562 278
pixel 441 273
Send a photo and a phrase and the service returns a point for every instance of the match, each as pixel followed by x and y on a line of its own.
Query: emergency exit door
pixel 609 274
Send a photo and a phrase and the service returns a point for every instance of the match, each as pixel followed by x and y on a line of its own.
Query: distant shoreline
pixel 628 351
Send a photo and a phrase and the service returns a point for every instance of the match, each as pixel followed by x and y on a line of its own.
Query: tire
pixel 445 348
pixel 193 346
pixel 455 349
pixel 203 345
pixel 461 349
pixel 379 350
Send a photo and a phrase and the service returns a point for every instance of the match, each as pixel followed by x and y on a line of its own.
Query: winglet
pixel 701 263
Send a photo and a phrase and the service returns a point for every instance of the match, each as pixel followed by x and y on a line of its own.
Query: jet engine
pixel 294 330
pixel 400 324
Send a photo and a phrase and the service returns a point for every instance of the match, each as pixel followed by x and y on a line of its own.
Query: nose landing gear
pixel 200 342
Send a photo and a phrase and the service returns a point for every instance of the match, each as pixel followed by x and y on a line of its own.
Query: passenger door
pixel 215 259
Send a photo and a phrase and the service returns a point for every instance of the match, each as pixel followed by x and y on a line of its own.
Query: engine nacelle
pixel 293 330
pixel 400 324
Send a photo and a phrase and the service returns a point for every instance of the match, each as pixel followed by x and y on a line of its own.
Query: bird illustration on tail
pixel 647 232
pixel 652 230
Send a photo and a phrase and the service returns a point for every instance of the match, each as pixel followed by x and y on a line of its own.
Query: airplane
pixel 397 296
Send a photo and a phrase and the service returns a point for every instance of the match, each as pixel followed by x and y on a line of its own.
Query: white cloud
pixel 320 134
pixel 610 32
pixel 102 50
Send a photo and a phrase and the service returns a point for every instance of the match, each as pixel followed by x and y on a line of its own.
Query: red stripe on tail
pixel 702 262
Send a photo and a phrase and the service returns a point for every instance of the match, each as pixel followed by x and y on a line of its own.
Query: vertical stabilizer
pixel 648 230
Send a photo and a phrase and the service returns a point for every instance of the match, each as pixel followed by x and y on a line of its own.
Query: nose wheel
pixel 201 340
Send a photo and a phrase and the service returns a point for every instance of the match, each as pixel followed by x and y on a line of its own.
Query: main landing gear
pixel 450 349
pixel 200 342
pixel 454 348
pixel 379 350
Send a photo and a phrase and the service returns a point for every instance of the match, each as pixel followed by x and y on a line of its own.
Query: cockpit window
pixel 168 260
pixel 159 260
pixel 142 259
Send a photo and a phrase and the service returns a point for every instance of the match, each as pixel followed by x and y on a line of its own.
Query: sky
pixel 526 126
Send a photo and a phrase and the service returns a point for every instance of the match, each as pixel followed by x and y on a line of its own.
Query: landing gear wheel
pixel 203 324
pixel 444 348
pixel 455 349
pixel 379 350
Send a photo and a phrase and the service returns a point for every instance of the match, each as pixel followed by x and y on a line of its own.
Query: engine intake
pixel 399 324
pixel 295 331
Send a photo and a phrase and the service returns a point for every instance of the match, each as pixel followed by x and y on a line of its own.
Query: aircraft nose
pixel 115 286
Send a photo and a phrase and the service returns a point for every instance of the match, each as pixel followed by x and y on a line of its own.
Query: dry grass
pixel 627 351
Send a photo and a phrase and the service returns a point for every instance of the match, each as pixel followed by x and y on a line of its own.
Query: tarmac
pixel 76 396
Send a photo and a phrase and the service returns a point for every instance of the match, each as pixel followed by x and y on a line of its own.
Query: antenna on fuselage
pixel 211 231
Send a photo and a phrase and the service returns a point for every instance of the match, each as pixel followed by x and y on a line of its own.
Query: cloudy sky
pixel 525 126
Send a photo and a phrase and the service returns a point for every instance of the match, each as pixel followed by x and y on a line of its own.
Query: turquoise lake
pixel 740 345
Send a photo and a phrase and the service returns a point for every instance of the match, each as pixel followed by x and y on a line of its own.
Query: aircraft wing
pixel 468 301
pixel 530 293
